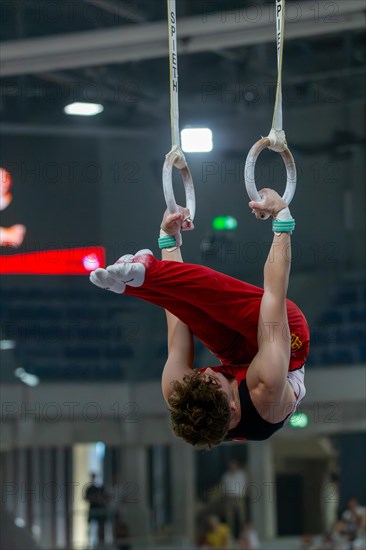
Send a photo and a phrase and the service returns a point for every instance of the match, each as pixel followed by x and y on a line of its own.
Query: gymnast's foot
pixel 128 270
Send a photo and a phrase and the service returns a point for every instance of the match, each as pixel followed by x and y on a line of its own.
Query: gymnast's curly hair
pixel 200 412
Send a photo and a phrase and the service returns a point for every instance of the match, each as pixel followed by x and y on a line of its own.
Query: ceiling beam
pixel 15 129
pixel 208 32
pixel 125 11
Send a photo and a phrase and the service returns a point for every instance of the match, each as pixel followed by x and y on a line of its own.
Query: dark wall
pixel 56 186
pixel 352 448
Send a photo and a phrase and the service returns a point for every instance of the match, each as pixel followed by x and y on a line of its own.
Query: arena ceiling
pixel 115 52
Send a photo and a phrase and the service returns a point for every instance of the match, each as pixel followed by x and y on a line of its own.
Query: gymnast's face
pixel 223 383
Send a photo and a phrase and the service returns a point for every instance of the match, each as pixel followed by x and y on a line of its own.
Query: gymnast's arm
pixel 267 382
pixel 180 338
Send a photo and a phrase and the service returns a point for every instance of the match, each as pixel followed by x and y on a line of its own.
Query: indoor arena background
pixel 80 367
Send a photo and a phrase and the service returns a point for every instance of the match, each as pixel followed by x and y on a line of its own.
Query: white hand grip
pixel 250 169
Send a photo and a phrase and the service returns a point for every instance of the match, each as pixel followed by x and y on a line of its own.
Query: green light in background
pixel 299 420
pixel 222 223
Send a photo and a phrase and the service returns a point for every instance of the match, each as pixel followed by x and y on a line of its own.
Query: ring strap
pixel 175 157
pixel 277 122
pixel 173 64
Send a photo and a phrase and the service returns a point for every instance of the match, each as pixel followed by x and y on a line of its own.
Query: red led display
pixel 70 261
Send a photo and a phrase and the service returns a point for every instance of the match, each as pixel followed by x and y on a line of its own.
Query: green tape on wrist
pixel 283 227
pixel 167 242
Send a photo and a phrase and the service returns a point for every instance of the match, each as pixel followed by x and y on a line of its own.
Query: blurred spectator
pixel 13 235
pixel 217 534
pixel 354 519
pixel 355 514
pixel 121 532
pixel 328 543
pixel 214 500
pixel 307 543
pixel 249 539
pixel 233 487
pixel 97 498
pixel 115 497
pixel 340 538
pixel 329 500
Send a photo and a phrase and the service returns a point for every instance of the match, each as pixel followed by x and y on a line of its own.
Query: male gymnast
pixel 260 338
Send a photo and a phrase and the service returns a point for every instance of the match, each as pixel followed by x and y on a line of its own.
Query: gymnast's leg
pixel 214 335
pixel 225 299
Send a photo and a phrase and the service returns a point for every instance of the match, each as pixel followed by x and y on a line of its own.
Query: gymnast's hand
pixel 270 204
pixel 173 224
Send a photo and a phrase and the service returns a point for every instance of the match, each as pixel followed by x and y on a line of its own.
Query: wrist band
pixel 167 242
pixel 279 226
pixel 283 222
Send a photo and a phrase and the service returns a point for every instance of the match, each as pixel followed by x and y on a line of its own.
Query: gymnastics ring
pixel 250 167
pixel 176 158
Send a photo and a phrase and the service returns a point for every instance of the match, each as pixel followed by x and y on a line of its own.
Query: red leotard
pixel 221 311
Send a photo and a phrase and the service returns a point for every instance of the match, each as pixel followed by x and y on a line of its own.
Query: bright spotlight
pixel 196 140
pixel 84 109
pixel 19 522
pixel 27 378
pixel 7 344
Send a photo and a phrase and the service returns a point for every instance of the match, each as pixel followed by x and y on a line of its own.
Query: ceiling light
pixel 7 344
pixel 84 109
pixel 19 522
pixel 28 379
pixel 196 140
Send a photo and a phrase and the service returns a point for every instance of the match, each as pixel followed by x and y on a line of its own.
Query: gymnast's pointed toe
pixel 101 278
pixel 128 273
